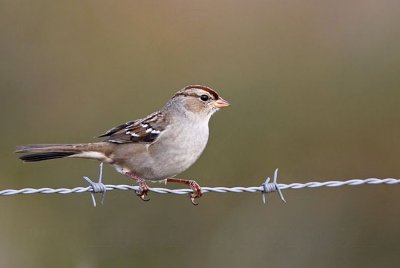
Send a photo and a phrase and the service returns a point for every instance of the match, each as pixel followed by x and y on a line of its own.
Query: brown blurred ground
pixel 315 88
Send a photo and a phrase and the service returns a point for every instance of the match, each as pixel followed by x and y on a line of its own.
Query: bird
pixel 157 147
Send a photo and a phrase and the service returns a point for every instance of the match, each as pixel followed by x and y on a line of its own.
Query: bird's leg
pixel 197 193
pixel 143 188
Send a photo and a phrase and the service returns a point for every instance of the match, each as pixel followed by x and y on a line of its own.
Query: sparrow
pixel 154 148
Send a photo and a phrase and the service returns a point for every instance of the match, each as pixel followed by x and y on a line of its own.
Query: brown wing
pixel 144 130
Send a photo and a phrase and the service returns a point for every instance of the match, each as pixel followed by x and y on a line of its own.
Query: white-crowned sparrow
pixel 154 148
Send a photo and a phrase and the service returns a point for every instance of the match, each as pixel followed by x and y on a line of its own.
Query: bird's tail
pixel 40 152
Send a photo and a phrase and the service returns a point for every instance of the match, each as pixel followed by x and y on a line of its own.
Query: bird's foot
pixel 143 190
pixel 197 193
pixel 143 187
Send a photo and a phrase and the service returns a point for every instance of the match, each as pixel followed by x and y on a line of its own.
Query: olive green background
pixel 314 87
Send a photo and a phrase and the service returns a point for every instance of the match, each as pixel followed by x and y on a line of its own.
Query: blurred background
pixel 314 88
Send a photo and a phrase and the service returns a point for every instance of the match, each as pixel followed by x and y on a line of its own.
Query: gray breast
pixel 176 150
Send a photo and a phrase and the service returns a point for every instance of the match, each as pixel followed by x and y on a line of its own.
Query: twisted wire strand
pixel 266 187
pixel 253 189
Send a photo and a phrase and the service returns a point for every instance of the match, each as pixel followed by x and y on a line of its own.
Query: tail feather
pixel 40 152
pixel 44 156
pixel 48 148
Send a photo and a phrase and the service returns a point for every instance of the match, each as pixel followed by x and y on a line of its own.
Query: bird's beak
pixel 221 103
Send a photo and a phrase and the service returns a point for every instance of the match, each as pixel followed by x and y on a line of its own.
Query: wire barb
pixel 97 187
pixel 269 187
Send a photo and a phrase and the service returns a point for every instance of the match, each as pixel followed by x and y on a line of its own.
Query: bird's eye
pixel 204 98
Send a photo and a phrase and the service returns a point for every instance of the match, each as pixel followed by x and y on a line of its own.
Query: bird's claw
pixel 192 199
pixel 197 193
pixel 142 192
pixel 143 197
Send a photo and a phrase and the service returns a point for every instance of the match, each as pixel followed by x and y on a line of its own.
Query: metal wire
pixel 266 187
pixel 123 187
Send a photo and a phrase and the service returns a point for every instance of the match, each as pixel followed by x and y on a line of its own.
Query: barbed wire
pixel 266 187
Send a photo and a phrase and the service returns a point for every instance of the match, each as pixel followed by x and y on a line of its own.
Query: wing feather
pixel 144 130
